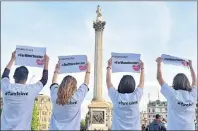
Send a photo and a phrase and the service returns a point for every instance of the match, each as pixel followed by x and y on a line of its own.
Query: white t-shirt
pixel 18 102
pixel 126 115
pixel 181 107
pixel 67 117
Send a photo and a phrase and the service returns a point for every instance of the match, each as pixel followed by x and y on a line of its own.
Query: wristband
pixel 142 68
pixel 108 67
pixel 87 72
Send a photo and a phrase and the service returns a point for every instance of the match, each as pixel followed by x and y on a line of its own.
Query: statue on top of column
pixel 99 14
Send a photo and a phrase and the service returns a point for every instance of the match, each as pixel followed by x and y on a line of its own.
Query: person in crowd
pixel 125 100
pixel 164 121
pixel 18 98
pixel 66 101
pixel 156 125
pixel 143 127
pixel 181 99
pixel 196 126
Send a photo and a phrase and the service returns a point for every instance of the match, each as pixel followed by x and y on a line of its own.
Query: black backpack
pixel 154 127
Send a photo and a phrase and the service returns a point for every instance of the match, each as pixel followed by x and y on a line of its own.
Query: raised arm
pixel 108 75
pixel 87 74
pixel 9 66
pixel 45 71
pixel 55 76
pixel 193 75
pixel 159 72
pixel 141 83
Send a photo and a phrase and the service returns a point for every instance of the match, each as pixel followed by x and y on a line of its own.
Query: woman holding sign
pixel 66 101
pixel 126 115
pixel 181 99
pixel 18 98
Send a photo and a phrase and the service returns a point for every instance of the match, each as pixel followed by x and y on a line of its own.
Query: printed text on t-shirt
pixel 183 104
pixel 128 103
pixel 16 93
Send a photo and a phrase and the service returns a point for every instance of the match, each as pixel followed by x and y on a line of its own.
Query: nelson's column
pixel 100 111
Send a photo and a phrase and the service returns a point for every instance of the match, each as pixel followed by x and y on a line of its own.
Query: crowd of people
pixel 158 124
pixel 66 98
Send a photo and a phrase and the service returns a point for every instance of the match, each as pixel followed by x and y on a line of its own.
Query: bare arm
pixel 141 83
pixel 9 66
pixel 87 74
pixel 159 72
pixel 55 76
pixel 108 75
pixel 193 75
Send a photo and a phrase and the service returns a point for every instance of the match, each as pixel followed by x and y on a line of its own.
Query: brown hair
pixel 66 89
pixel 181 82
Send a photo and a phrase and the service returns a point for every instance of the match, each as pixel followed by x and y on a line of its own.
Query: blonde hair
pixel 66 89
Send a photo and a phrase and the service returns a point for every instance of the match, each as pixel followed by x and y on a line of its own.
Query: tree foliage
pixel 35 124
pixel 82 125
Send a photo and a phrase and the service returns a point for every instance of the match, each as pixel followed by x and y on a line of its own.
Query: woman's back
pixel 181 107
pixel 181 97
pixel 67 116
pixel 126 115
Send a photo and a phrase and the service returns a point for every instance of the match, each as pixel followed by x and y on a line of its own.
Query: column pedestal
pixel 99 116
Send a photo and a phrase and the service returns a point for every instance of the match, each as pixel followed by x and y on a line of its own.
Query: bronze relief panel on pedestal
pixel 98 117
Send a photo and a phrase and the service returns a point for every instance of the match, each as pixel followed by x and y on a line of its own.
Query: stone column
pixel 99 27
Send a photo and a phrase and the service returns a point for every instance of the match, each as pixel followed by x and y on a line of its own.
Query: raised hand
pixel 13 55
pixel 88 65
pixel 57 68
pixel 46 61
pixel 190 63
pixel 46 58
pixel 141 64
pixel 159 60
pixel 110 62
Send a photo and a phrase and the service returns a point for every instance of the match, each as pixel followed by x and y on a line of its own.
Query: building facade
pixel 156 107
pixel 196 110
pixel 143 118
pixel 44 108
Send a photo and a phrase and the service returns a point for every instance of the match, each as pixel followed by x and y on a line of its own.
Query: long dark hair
pixel 181 82
pixel 66 89
pixel 127 84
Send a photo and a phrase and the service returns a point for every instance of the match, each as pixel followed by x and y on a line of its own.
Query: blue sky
pixel 66 28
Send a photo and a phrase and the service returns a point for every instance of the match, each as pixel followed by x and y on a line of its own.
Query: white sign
pixel 72 64
pixel 167 59
pixel 30 56
pixel 125 62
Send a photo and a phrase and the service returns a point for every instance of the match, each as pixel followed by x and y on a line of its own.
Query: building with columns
pixel 143 118
pixel 100 111
pixel 44 109
pixel 156 107
pixel 196 113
